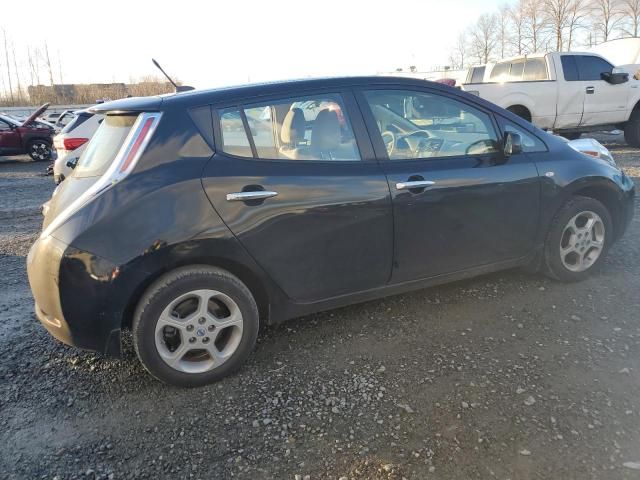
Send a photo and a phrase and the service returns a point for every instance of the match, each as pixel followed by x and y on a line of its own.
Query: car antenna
pixel 179 88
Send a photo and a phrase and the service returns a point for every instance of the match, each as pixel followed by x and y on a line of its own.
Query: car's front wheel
pixel 195 325
pixel 578 239
pixel 39 150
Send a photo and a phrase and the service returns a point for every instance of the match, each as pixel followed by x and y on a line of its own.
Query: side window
pixel 535 69
pixel 4 126
pixel 530 143
pixel 416 125
pixel 500 71
pixel 234 137
pixel 590 68
pixel 569 68
pixel 517 67
pixel 477 75
pixel 304 128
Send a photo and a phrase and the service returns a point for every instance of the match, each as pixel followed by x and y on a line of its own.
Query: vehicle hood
pixel 35 115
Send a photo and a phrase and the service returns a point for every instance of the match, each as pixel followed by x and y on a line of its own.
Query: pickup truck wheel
pixel 632 130
pixel 39 150
pixel 578 239
pixel 194 326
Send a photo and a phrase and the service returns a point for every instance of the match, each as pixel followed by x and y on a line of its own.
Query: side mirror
pixel 512 144
pixel 615 77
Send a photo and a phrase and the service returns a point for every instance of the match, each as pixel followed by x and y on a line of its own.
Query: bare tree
pixel 48 62
pixel 458 56
pixel 17 73
pixel 518 18
pixel 606 16
pixel 578 12
pixel 631 16
pixel 557 14
pixel 504 23
pixel 536 28
pixel 483 37
pixel 6 55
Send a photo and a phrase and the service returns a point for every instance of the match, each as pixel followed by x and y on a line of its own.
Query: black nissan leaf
pixel 193 217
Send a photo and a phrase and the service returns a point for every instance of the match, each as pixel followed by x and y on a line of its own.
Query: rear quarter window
pixel 76 122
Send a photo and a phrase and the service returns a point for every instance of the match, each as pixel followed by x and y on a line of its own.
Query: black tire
pixel 520 111
pixel 572 135
pixel 39 150
pixel 169 287
pixel 553 264
pixel 632 129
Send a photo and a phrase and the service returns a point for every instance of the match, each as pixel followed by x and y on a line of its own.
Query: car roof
pixel 203 97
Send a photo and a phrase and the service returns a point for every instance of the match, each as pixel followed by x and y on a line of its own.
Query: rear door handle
pixel 591 90
pixel 414 184
pixel 254 195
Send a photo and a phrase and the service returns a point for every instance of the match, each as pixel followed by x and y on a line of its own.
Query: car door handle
pixel 414 184
pixel 591 90
pixel 255 195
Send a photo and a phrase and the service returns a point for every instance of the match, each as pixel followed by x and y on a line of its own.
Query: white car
pixel 71 142
pixel 567 92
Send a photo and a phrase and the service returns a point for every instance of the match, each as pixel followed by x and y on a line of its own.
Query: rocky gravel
pixel 505 376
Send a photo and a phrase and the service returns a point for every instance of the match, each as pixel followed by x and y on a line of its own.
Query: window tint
pixel 305 128
pixel 104 145
pixel 517 67
pixel 4 126
pixel 76 122
pixel 590 68
pixel 535 69
pixel 477 75
pixel 569 68
pixel 500 71
pixel 234 137
pixel 424 125
pixel 530 143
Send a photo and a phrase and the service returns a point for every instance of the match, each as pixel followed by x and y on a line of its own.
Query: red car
pixel 28 136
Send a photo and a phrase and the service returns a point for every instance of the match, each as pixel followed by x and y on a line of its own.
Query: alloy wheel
pixel 199 331
pixel 39 151
pixel 582 241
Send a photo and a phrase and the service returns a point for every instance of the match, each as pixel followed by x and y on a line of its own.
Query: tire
pixel 520 111
pixel 572 135
pixel 39 150
pixel 570 253
pixel 168 316
pixel 632 129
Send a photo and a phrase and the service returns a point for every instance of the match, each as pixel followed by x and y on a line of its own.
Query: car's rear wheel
pixel 39 150
pixel 194 326
pixel 578 239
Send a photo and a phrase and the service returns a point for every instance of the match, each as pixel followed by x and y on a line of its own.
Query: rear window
pixel 104 145
pixel 477 74
pixel 500 71
pixel 535 69
pixel 76 122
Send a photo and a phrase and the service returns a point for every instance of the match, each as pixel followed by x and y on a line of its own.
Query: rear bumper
pixel 71 290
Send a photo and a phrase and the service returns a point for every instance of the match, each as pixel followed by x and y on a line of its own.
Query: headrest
pixel 293 127
pixel 325 134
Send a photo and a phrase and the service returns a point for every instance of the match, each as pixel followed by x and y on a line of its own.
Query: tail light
pixel 73 143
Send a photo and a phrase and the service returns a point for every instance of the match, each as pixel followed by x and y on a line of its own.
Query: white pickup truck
pixel 569 93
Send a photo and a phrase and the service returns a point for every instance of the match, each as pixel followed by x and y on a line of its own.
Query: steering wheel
pixel 426 145
pixel 389 140
pixel 486 147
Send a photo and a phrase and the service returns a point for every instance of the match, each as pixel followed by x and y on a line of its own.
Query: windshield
pixel 104 145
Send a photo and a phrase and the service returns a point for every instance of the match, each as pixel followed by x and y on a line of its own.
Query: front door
pixel 9 139
pixel 308 201
pixel 603 102
pixel 458 202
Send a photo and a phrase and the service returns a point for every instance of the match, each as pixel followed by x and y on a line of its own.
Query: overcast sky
pixel 214 43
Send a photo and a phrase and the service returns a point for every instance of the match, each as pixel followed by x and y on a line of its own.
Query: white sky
pixel 212 43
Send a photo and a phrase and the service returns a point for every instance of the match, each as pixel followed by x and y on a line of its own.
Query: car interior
pixel 416 125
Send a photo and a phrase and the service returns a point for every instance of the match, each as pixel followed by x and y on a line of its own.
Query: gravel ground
pixel 505 376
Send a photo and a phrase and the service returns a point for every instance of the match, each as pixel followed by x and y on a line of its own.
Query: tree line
pixel 529 26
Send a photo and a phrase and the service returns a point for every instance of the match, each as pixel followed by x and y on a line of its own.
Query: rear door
pixel 457 202
pixel 295 179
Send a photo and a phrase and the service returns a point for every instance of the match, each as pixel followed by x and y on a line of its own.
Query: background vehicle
pixel 190 233
pixel 569 93
pixel 29 136
pixel 71 142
